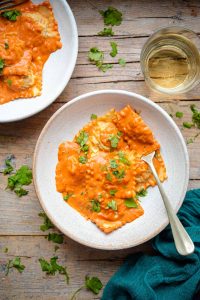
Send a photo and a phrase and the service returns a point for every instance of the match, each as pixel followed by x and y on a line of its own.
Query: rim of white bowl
pixel 80 98
pixel 68 75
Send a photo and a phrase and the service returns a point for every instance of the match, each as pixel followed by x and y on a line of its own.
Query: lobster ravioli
pixel 25 45
pixel 100 173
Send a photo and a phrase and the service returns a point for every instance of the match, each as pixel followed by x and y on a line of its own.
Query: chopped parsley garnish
pixel 195 115
pixel 93 284
pixel 106 32
pixel 141 193
pixel 130 203
pixel 179 114
pixel 9 167
pixel 112 204
pixel 2 65
pixel 15 263
pixel 9 82
pixel 113 164
pixel 188 125
pixel 66 197
pixel 11 15
pixel 123 159
pixel 111 16
pixel 96 205
pixel 119 174
pixel 82 140
pixel 6 45
pixel 114 51
pixel 47 223
pixel 55 237
pixel 23 176
pixel 93 117
pixel 52 267
pixel 108 177
pixel 122 62
pixel 82 159
pixel 114 140
pixel 113 192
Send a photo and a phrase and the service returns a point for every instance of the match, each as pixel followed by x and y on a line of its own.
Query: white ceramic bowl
pixel 64 124
pixel 57 70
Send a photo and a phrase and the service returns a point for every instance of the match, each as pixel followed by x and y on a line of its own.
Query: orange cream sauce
pixel 112 171
pixel 25 45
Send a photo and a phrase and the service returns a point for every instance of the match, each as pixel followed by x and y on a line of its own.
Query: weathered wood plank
pixel 140 18
pixel 80 261
pixel 21 215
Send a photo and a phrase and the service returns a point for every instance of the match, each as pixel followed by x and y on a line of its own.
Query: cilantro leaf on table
pixel 11 15
pixel 15 263
pixel 93 284
pixel 114 51
pixel 47 223
pixel 104 67
pixel 112 204
pixel 179 114
pixel 188 125
pixel 95 55
pixel 122 62
pixel 130 203
pixel 106 32
pixel 111 16
pixel 55 237
pixel 9 167
pixel 195 115
pixel 23 176
pixel 51 268
pixel 2 65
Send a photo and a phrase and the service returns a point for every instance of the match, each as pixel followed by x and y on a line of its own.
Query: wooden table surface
pixel 19 220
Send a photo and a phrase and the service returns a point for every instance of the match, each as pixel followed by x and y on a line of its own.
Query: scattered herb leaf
pixel 6 45
pixel 141 193
pixel 130 203
pixel 23 176
pixel 56 248
pixel 47 223
pixel 9 82
pixel 106 32
pixel 96 205
pixel 52 267
pixel 179 114
pixel 112 204
pixel 5 250
pixel 9 167
pixel 122 62
pixel 188 125
pixel 67 196
pixel 94 284
pixel 55 237
pixel 2 65
pixel 108 177
pixel 113 164
pixel 123 159
pixel 93 117
pixel 82 140
pixel 15 263
pixel 114 140
pixel 114 51
pixel 82 159
pixel 11 15
pixel 119 174
pixel 113 192
pixel 111 16
pixel 195 115
pixel 95 55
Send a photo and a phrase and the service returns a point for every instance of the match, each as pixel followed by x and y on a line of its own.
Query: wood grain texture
pixel 19 221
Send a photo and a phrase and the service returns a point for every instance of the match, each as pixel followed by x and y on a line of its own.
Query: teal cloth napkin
pixel 166 275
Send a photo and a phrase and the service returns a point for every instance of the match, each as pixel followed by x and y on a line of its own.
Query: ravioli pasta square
pixel 100 173
pixel 25 46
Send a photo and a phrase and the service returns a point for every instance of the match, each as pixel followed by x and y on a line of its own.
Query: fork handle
pixel 183 242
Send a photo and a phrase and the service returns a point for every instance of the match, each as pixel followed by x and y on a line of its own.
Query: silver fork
pixel 5 4
pixel 183 242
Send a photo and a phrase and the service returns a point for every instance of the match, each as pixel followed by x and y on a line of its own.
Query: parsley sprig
pixel 97 56
pixel 111 16
pixel 47 223
pixel 93 284
pixel 114 51
pixel 106 32
pixel 22 177
pixel 15 263
pixel 82 140
pixel 55 237
pixel 11 15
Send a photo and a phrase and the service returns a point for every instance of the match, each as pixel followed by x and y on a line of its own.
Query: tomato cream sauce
pixel 25 45
pixel 100 173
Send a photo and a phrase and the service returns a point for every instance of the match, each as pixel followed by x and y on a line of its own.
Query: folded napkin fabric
pixel 165 275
